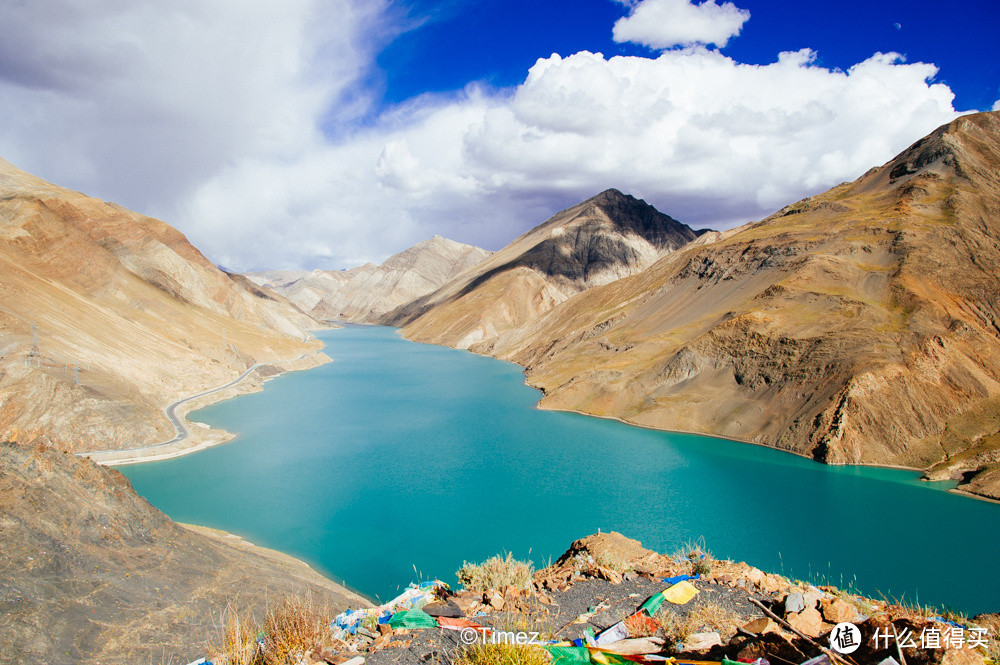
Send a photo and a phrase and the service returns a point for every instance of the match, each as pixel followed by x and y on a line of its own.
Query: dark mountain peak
pixel 630 214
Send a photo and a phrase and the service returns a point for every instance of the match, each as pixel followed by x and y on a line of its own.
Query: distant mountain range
pixel 603 239
pixel 365 293
pixel 859 326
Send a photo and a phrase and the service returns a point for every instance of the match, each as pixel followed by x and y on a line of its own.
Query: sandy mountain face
pixel 92 573
pixel 859 326
pixel 596 242
pixel 365 293
pixel 106 316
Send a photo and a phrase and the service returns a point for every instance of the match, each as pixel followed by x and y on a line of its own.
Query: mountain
pixel 92 573
pixel 859 326
pixel 603 239
pixel 365 293
pixel 106 316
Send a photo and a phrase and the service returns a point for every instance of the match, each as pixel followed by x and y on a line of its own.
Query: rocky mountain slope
pixel 91 572
pixel 603 239
pixel 858 326
pixel 365 293
pixel 106 316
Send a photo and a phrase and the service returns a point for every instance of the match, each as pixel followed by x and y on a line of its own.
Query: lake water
pixel 401 460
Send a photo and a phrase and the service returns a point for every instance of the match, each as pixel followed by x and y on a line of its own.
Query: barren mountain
pixel 92 573
pixel 859 326
pixel 596 242
pixel 365 293
pixel 106 316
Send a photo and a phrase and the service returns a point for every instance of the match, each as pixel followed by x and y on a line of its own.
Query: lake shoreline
pixel 197 436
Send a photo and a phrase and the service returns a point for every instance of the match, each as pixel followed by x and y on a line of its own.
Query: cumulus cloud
pixel 248 126
pixel 661 24
pixel 996 105
pixel 707 139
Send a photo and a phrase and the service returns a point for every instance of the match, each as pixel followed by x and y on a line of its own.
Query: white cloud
pixel 661 24
pixel 996 105
pixel 211 119
pixel 707 139
pixel 144 100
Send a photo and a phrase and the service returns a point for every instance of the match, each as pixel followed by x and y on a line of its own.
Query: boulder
pixel 809 622
pixel 760 626
pixel 838 611
pixel 443 608
pixel 812 596
pixel 794 603
pixel 702 641
pixel 493 599
pixel 611 546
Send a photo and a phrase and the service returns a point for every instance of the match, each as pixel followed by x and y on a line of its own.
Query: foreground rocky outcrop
pixel 107 316
pixel 596 242
pixel 91 572
pixel 859 326
pixel 366 293
pixel 631 601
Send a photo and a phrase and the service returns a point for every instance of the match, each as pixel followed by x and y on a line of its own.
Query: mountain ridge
pixel 365 293
pixel 595 242
pixel 856 326
pixel 108 315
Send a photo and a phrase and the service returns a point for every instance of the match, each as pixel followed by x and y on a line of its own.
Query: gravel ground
pixel 441 646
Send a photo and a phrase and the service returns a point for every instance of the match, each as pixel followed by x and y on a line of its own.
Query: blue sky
pixel 498 40
pixel 326 133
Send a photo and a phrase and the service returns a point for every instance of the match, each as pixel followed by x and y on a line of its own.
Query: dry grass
pixel 704 619
pixel 496 573
pixel 238 642
pixel 698 554
pixel 502 654
pixel 294 627
pixel 525 622
pixel 291 628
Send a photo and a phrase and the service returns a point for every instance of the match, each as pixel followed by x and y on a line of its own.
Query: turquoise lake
pixel 401 460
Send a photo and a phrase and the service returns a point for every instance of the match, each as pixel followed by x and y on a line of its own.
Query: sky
pixel 327 133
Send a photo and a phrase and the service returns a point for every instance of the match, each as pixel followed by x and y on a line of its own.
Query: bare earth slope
pixel 365 293
pixel 595 242
pixel 859 326
pixel 106 316
pixel 92 573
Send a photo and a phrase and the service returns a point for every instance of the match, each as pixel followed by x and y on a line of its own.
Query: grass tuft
pixel 495 573
pixel 502 654
pixel 238 641
pixel 704 619
pixel 697 554
pixel 293 628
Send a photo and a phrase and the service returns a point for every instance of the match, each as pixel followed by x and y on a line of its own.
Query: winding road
pixel 171 412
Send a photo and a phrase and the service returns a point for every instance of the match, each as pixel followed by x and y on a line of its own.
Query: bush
pixel 495 573
pixel 290 630
pixel 707 618
pixel 293 628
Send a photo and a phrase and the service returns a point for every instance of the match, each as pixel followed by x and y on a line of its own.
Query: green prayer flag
pixel 412 619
